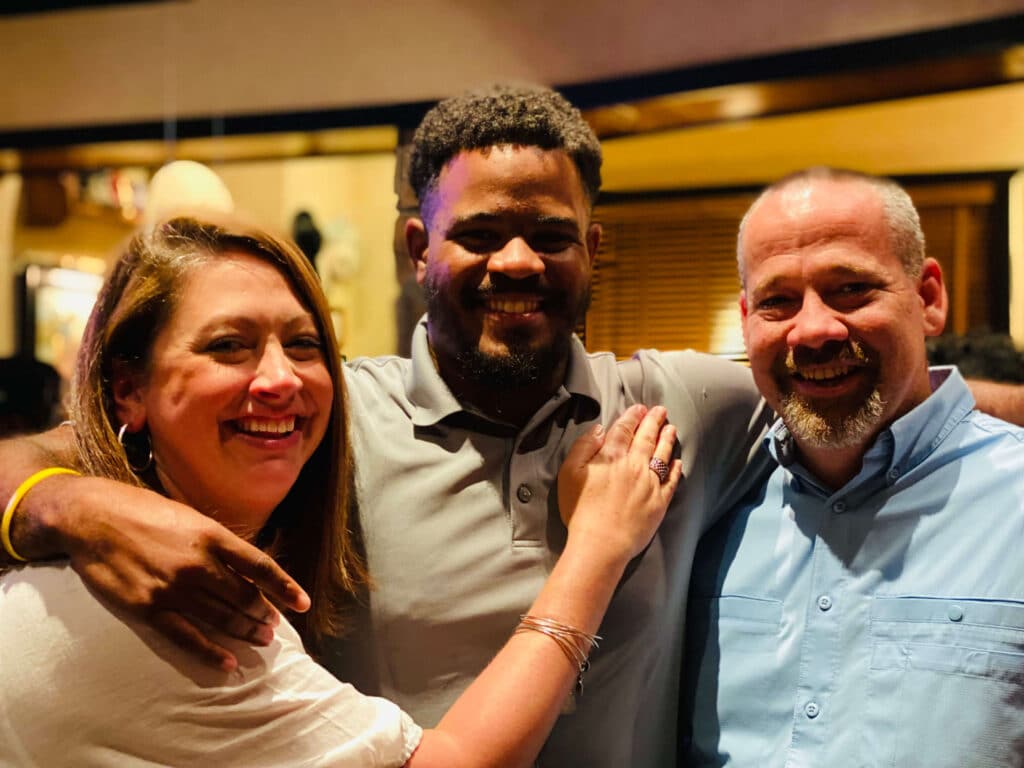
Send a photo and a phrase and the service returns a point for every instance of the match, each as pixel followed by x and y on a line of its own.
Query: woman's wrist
pixel 603 549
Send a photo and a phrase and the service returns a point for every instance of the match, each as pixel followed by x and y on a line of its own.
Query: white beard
pixel 814 429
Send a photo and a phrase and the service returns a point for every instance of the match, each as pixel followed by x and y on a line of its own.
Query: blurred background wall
pixel 128 62
pixel 305 110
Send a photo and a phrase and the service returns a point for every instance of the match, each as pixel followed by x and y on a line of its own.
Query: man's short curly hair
pixel 529 116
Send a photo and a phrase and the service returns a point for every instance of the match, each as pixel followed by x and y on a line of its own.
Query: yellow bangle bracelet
pixel 19 494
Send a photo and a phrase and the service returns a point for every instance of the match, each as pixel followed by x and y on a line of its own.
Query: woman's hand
pixel 607 490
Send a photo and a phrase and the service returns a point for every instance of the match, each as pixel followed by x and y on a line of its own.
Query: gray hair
pixel 906 237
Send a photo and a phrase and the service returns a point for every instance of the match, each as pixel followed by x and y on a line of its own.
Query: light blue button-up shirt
pixel 881 624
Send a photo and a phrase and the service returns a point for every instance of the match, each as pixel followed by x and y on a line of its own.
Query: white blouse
pixel 81 686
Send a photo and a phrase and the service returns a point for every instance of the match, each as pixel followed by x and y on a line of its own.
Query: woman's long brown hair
pixel 310 532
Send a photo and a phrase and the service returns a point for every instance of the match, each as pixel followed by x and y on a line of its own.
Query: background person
pixel 866 607
pixel 210 345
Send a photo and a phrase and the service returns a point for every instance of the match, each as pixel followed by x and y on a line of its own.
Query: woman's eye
pixel 225 346
pixel 306 346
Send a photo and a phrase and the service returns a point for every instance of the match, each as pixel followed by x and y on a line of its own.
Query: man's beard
pixel 830 427
pixel 815 429
pixel 521 365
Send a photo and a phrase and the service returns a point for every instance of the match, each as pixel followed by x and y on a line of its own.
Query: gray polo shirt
pixel 461 526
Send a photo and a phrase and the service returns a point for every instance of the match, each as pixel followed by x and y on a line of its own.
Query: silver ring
pixel 659 467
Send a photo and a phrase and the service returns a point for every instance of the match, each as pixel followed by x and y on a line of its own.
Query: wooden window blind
pixel 666 276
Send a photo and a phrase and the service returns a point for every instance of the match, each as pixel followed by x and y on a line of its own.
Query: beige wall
pixel 154 61
pixel 977 130
pixel 354 192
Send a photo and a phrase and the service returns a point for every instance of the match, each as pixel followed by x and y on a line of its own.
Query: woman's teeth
pixel 268 426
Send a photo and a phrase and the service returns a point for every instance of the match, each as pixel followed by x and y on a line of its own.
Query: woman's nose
pixel 275 374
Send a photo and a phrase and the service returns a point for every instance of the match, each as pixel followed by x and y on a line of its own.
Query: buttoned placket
pixel 821 646
pixel 821 641
pixel 530 476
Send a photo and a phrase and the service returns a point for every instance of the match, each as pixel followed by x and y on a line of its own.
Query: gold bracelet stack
pixel 575 643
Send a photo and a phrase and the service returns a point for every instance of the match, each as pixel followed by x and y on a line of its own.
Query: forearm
pixel 1004 401
pixel 33 531
pixel 160 560
pixel 504 717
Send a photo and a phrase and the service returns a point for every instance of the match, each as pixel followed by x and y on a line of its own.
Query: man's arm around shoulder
pixel 162 561
pixel 1004 401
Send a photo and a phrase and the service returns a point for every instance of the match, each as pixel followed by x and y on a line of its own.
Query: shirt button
pixel 839 507
pixel 893 474
pixel 812 710
pixel 824 602
pixel 523 493
pixel 956 613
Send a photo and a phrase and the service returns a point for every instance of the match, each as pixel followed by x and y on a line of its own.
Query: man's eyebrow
pixel 848 270
pixel 474 218
pixel 490 218
pixel 558 221
pixel 778 282
pixel 769 285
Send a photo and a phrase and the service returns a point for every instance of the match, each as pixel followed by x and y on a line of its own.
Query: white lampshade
pixel 185 185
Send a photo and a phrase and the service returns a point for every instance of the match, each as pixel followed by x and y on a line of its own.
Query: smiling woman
pixel 207 335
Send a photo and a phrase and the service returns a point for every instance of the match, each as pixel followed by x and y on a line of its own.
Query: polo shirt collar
pixel 430 396
pixel 433 400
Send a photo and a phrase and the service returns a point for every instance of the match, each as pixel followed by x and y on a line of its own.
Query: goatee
pixel 519 367
pixel 816 429
pixel 522 364
pixel 830 425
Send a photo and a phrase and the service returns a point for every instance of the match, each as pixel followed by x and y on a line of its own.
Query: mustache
pixel 497 285
pixel 839 352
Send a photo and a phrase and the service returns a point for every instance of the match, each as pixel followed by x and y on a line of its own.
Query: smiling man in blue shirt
pixel 866 607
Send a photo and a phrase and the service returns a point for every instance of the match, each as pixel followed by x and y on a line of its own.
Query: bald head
pixel 794 192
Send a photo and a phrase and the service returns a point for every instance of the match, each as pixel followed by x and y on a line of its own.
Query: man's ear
pixel 743 319
pixel 593 241
pixel 416 241
pixel 129 403
pixel 934 299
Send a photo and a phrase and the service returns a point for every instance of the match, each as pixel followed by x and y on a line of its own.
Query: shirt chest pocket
pixel 742 623
pixel 748 627
pixel 946 681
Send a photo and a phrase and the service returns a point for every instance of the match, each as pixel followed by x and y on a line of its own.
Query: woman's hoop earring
pixel 136 450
